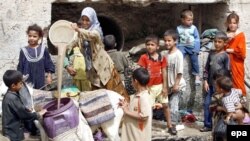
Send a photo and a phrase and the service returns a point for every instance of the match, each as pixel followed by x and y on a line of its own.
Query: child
pixel 230 99
pixel 156 65
pixel 119 58
pixel 236 49
pixel 189 41
pixel 34 59
pixel 176 82
pixel 99 66
pixel 137 124
pixel 76 60
pixel 217 60
pixel 14 111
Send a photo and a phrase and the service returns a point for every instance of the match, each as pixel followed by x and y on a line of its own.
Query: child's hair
pixel 225 83
pixel 152 38
pixel 221 72
pixel 233 15
pixel 141 75
pixel 36 28
pixel 12 77
pixel 172 33
pixel 109 42
pixel 221 35
pixel 185 13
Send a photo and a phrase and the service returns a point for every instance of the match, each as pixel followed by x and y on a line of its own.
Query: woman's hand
pixel 75 27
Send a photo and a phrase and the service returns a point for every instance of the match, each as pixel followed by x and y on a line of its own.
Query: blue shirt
pixel 189 37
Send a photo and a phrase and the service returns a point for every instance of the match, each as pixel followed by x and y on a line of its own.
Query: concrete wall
pixel 15 17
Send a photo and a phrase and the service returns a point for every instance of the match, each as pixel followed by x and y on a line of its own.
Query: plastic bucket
pixel 61 32
pixel 57 121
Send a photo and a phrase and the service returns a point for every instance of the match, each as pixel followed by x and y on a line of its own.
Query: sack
pixel 96 106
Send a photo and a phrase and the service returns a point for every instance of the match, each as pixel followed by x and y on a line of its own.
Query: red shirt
pixel 154 68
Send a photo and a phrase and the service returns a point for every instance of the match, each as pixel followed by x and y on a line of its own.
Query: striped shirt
pixel 231 99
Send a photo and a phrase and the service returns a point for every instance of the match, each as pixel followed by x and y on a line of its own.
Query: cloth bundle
pixel 96 106
pixel 207 38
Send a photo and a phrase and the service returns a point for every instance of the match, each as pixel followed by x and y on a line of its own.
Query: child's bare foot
pixel 197 80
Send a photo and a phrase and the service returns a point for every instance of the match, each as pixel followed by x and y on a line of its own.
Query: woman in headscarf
pixel 99 66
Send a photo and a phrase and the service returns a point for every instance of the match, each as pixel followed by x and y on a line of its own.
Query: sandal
pixel 205 129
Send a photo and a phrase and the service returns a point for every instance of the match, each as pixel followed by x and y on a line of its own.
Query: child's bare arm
pixel 42 112
pixel 221 109
pixel 165 82
pixel 206 86
pixel 229 115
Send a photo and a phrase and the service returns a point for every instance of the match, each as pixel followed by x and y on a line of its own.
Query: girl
pixel 99 66
pixel 237 51
pixel 34 59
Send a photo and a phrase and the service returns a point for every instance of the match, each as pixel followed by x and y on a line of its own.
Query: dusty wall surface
pixel 16 15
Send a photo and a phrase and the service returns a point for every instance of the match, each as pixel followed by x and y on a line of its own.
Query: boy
pixel 156 65
pixel 137 123
pixel 218 60
pixel 14 111
pixel 230 100
pixel 119 59
pixel 176 82
pixel 189 42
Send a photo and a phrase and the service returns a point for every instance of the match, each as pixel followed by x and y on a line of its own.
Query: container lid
pixel 61 32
